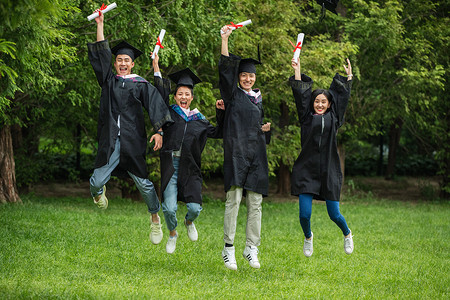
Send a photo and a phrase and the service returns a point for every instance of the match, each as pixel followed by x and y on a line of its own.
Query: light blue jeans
pixel 102 175
pixel 169 205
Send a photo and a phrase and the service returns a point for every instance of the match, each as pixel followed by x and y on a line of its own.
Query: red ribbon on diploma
pixel 158 43
pixel 299 46
pixel 103 7
pixel 235 26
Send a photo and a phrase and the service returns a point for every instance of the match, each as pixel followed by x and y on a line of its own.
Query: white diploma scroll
pixel 298 46
pixel 245 23
pixel 158 44
pixel 96 14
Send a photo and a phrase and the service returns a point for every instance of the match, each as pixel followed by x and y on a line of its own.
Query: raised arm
pixel 340 89
pixel 99 20
pixel 228 68
pixel 302 89
pixel 100 54
pixel 296 66
pixel 225 33
pixel 161 84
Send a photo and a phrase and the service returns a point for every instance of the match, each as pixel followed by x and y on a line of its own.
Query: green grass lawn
pixel 67 248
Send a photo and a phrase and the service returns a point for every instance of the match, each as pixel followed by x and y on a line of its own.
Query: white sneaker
pixel 348 244
pixel 308 246
pixel 102 202
pixel 191 231
pixel 251 254
pixel 229 258
pixel 156 233
pixel 171 244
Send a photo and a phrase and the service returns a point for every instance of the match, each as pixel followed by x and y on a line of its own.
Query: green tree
pixel 33 28
pixel 402 70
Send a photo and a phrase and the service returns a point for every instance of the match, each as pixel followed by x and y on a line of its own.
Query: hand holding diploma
pixel 158 43
pixel 238 25
pixel 103 9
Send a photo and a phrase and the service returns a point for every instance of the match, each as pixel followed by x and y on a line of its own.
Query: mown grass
pixel 67 248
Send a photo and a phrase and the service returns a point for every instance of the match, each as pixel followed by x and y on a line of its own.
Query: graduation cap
pixel 125 48
pixel 185 77
pixel 327 4
pixel 249 64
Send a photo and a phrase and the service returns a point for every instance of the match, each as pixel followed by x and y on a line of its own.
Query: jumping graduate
pixel 317 171
pixel 245 163
pixel 122 138
pixel 184 141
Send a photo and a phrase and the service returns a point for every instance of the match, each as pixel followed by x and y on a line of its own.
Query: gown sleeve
pixel 100 55
pixel 302 94
pixel 163 87
pixel 158 111
pixel 340 90
pixel 217 131
pixel 228 76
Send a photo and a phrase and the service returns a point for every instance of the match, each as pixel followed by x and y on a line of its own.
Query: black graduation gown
pixel 317 169
pixel 125 98
pixel 191 138
pixel 245 162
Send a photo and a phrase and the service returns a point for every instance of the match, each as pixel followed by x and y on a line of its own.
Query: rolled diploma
pixel 161 36
pixel 299 40
pixel 245 23
pixel 96 14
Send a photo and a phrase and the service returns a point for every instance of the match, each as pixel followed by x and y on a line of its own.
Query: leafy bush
pixel 46 167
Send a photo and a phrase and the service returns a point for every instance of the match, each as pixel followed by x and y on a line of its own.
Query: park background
pixel 394 146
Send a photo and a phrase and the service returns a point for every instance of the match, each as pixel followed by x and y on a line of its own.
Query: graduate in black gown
pixel 184 141
pixel 245 165
pixel 121 133
pixel 317 171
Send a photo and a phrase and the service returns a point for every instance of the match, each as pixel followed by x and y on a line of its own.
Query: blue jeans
pixel 102 175
pixel 305 203
pixel 169 204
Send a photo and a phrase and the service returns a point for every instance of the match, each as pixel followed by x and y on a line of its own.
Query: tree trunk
pixel 380 157
pixel 445 194
pixel 8 188
pixel 284 175
pixel 445 163
pixel 284 180
pixel 394 139
pixel 78 148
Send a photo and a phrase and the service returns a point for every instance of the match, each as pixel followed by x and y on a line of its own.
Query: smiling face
pixel 123 64
pixel 247 80
pixel 321 104
pixel 183 97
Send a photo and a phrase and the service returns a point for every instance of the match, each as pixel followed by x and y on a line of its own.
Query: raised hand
pixel 100 17
pixel 155 63
pixel 225 31
pixel 348 70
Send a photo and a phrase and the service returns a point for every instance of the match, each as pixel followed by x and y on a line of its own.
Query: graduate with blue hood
pixel 121 133
pixel 184 141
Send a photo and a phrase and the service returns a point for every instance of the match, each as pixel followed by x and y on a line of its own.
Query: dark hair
pixel 318 92
pixel 189 87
